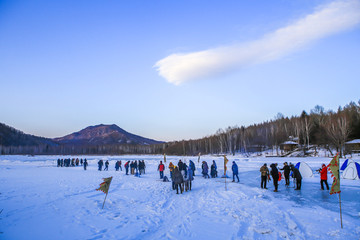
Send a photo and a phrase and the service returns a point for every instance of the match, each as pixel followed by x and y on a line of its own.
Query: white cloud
pixel 327 20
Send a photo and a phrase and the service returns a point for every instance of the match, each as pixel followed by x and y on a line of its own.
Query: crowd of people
pixel 70 162
pixel 182 174
pixel 288 170
pixel 137 167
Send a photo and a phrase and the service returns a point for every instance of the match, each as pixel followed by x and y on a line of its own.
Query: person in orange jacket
pixel 171 168
pixel 323 177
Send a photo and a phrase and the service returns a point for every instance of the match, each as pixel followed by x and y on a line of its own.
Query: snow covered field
pixel 42 201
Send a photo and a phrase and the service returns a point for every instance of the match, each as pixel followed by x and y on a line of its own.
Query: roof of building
pixel 355 141
pixel 289 143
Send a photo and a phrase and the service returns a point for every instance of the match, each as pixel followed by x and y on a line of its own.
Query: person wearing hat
pixel 235 171
pixel 264 175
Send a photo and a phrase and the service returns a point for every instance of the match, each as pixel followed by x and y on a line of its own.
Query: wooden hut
pixel 288 146
pixel 353 146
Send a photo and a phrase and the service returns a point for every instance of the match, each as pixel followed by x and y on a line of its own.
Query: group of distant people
pixel 289 170
pixel 101 164
pixel 214 173
pixel 67 162
pixel 137 167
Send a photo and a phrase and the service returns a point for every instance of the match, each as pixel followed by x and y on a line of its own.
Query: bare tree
pixel 337 128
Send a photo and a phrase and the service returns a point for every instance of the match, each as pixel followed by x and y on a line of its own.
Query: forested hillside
pixel 329 129
pixel 325 128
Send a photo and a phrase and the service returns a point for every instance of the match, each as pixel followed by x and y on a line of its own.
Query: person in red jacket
pixel 161 169
pixel 323 177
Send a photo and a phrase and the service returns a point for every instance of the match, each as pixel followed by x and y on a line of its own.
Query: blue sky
pixel 173 70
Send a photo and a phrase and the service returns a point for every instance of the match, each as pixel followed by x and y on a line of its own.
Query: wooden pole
pixel 340 211
pixel 104 201
pixel 225 181
pixel 339 193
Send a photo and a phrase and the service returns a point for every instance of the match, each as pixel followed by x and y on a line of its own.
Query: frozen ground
pixel 41 201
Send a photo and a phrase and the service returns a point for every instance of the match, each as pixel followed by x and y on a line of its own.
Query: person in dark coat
pixel 192 166
pixel 178 180
pixel 144 166
pixel 286 170
pixel 275 175
pixel 235 171
pixel 297 176
pixel 58 162
pixel 81 162
pixel 136 166
pixel 184 173
pixel 117 166
pixel 127 164
pixel 106 166
pixel 189 179
pixel 132 168
pixel 180 165
pixel 213 170
pixel 85 164
pixel 100 164
pixel 140 166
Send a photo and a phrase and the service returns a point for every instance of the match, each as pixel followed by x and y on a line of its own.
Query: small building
pixel 288 146
pixel 353 146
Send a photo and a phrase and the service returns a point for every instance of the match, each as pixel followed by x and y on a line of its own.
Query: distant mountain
pixel 10 136
pixel 104 135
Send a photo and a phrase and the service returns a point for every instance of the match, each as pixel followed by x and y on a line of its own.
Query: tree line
pixel 329 129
